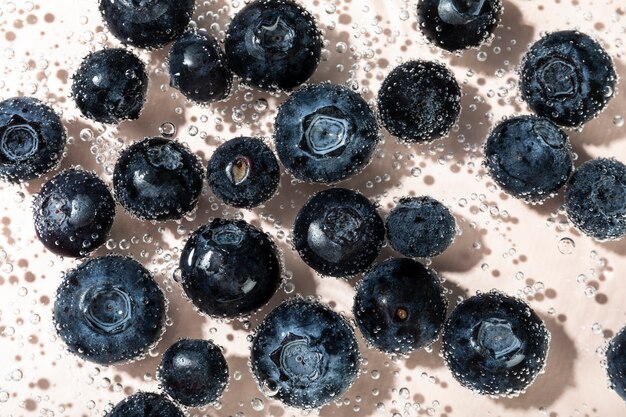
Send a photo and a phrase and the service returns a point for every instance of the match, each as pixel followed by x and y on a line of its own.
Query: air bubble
pixel 566 246
pixel 167 129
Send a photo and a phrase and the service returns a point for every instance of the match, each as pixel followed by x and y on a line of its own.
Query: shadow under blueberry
pixel 462 256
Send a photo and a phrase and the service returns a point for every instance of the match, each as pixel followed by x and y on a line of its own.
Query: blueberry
pixel 73 213
pixel 198 69
pixel 145 404
pixel 147 23
pixel 420 227
pixel 616 363
pixel 110 86
pixel 567 77
pixel 529 157
pixel 243 172
pixel 338 232
pixel 419 101
pixel 400 306
pixel 229 268
pixel 193 372
pixel 304 354
pixel 32 139
pixel 325 133
pixel 109 310
pixel 495 344
pixel 158 179
pixel 458 24
pixel 273 44
pixel 595 199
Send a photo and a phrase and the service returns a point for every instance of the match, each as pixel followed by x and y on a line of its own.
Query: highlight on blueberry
pixel 338 232
pixel 158 179
pixel 304 354
pixel 243 172
pixel 273 44
pixel 193 372
pixel 419 101
pixel 616 363
pixel 73 213
pixel 529 157
pixel 325 133
pixel 400 306
pixel 145 404
pixel 567 77
pixel 109 310
pixel 495 344
pixel 595 199
pixel 32 139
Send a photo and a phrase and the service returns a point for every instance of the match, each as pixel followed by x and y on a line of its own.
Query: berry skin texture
pixel 455 25
pixel 198 69
pixel 32 139
pixel 145 404
pixel 229 268
pixel 495 344
pixel 193 372
pixel 110 86
pixel 147 23
pixel 325 133
pixel 243 172
pixel 273 44
pixel 109 310
pixel 529 157
pixel 338 232
pixel 420 227
pixel 73 213
pixel 567 77
pixel 595 199
pixel 419 101
pixel 400 306
pixel 158 179
pixel 616 363
pixel 304 354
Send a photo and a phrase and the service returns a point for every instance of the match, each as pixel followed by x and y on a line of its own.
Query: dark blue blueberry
pixel 109 310
pixel 567 77
pixel 495 344
pixel 158 179
pixel 193 372
pixel 616 363
pixel 198 69
pixel 420 227
pixel 529 157
pixel 304 354
pixel 419 101
pixel 229 268
pixel 73 213
pixel 338 232
pixel 32 139
pixel 400 306
pixel 595 199
pixel 325 133
pixel 110 86
pixel 458 24
pixel 273 44
pixel 243 172
pixel 145 404
pixel 147 23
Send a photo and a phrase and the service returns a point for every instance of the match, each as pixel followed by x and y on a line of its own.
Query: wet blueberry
pixel 616 363
pixel 325 133
pixel 273 44
pixel 32 139
pixel 73 213
pixel 595 199
pixel 567 77
pixel 338 232
pixel 158 179
pixel 145 404
pixel 229 268
pixel 419 101
pixel 243 172
pixel 109 310
pixel 110 86
pixel 400 306
pixel 193 372
pixel 529 157
pixel 495 344
pixel 304 354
